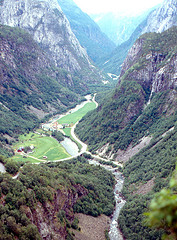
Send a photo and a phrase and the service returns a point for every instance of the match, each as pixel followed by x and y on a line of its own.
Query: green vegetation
pixel 121 118
pixel 154 163
pixel 38 185
pixel 30 86
pixel 58 135
pixel 76 116
pixel 43 146
pixel 124 118
pixel 107 123
pixel 163 210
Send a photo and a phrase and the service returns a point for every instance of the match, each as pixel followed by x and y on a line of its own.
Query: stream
pixel 114 232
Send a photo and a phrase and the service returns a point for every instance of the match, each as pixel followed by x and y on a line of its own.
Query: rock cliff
pixel 45 21
pixel 151 63
pixel 159 20
pixel 163 18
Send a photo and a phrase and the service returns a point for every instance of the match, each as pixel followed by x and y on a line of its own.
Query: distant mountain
pixel 159 20
pixel 113 62
pixel 45 21
pixel 119 27
pixel 87 31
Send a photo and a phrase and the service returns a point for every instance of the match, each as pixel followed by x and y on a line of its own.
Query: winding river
pixel 72 148
pixel 114 232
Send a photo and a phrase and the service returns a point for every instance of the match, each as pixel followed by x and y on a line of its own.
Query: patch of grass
pixel 76 116
pixel 43 146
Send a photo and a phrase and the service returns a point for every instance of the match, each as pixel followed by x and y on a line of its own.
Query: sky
pixel 122 6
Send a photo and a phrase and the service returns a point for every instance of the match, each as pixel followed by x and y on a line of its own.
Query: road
pixel 84 146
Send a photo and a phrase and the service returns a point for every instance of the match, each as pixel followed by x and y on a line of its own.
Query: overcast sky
pixel 99 6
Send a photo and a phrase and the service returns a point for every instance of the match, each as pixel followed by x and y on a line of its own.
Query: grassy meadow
pixel 43 146
pixel 76 116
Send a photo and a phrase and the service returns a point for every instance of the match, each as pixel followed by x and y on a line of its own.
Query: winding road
pixel 84 146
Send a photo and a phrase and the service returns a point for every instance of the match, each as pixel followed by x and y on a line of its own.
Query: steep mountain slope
pixel 45 21
pixel 163 18
pixel 87 31
pixel 159 20
pixel 31 86
pixel 140 115
pixel 41 203
pixel 148 71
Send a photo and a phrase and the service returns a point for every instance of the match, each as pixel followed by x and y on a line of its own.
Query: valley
pixel 88 129
pixel 43 146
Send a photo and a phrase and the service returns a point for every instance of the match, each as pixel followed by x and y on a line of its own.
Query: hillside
pixel 158 20
pixel 31 86
pixel 137 126
pixel 41 204
pixel 87 31
pixel 49 27
pixel 147 77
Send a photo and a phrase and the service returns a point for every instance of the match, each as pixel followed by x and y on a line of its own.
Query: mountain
pixel 45 21
pixel 136 125
pixel 148 70
pixel 163 18
pixel 113 62
pixel 87 31
pixel 31 86
pixel 119 27
pixel 158 20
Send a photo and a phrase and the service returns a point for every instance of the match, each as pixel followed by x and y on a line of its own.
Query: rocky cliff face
pixel 44 216
pixel 153 64
pixel 45 21
pixel 159 20
pixel 163 18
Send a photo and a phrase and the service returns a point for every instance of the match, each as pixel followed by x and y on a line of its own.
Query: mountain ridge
pixel 45 21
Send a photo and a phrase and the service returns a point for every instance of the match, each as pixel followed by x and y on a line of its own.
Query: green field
pixel 43 146
pixel 47 146
pixel 76 116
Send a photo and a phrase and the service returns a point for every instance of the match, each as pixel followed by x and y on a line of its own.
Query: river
pixel 72 149
pixel 114 232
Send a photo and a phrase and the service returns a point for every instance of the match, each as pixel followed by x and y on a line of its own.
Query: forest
pixel 38 185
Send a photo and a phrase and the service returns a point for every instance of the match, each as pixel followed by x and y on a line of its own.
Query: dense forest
pixel 67 187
